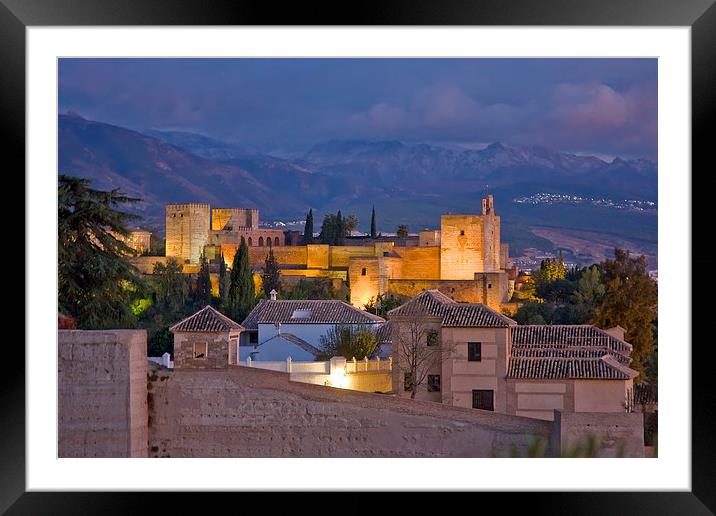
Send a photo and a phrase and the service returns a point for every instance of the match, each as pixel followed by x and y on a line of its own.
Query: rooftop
pixel 568 351
pixel 206 320
pixel 324 311
pixel 453 314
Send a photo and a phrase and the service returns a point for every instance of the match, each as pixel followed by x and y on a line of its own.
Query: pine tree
pixel 308 229
pixel 373 231
pixel 271 277
pixel 96 281
pixel 203 283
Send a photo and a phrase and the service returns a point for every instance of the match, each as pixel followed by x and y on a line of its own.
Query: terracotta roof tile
pixel 326 311
pixel 568 351
pixel 206 320
pixel 453 314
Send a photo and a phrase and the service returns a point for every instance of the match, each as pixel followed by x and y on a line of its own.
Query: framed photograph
pixel 297 252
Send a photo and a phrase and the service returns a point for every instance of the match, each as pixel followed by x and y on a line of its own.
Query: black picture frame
pixel 700 15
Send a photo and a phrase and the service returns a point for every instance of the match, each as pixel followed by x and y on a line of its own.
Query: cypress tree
pixel 203 284
pixel 308 229
pixel 271 277
pixel 241 288
pixel 340 229
pixel 373 231
pixel 223 284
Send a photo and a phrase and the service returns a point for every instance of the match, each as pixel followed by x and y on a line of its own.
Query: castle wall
pixel 364 282
pixel 487 288
pixel 247 412
pixel 419 262
pixel 102 393
pixel 187 228
pixel 234 218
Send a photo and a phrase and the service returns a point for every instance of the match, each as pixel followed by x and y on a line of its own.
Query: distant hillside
pixel 408 184
pixel 158 172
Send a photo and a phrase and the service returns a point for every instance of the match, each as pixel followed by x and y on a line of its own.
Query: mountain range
pixel 407 183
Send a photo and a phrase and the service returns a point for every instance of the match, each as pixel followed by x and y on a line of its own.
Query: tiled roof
pixel 603 368
pixel 313 312
pixel 567 335
pixel 206 320
pixel 557 352
pixel 453 314
pixel 568 351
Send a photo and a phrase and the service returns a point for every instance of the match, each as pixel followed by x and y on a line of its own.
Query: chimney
pixel 490 206
pixel 616 332
pixel 273 294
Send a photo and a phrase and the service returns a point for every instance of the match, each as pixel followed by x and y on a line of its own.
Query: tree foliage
pixel 271 276
pixel 308 228
pixel 630 301
pixel 373 228
pixel 349 341
pixel 381 304
pixel 203 283
pixel 402 231
pixel 242 292
pixel 96 282
pixel 335 227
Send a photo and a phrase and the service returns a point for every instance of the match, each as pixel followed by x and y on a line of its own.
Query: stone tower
pixel 233 219
pixel 187 231
pixel 470 243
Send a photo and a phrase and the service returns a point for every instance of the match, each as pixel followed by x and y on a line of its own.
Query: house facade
pixel 487 361
pixel 278 329
pixel 206 340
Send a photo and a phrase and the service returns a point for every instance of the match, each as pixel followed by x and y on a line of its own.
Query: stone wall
pixel 487 288
pixel 618 434
pixel 245 412
pixel 110 405
pixel 102 393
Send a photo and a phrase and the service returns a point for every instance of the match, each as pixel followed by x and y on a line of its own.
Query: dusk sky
pixel 605 107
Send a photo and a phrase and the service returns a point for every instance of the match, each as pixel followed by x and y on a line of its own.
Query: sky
pixel 603 107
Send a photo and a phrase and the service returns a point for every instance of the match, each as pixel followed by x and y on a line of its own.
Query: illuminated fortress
pixel 464 259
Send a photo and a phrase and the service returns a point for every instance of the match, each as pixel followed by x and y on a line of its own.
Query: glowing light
pixel 339 378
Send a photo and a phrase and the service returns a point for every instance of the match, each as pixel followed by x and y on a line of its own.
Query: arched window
pixel 261 241
pixel 362 273
pixel 275 241
pixel 250 242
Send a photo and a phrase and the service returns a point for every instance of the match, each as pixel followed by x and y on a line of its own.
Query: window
pixel 301 313
pixel 253 337
pixel 275 241
pixel 261 241
pixel 363 271
pixel 483 399
pixel 489 285
pixel 408 382
pixel 433 383
pixel 462 232
pixel 474 351
pixel 432 338
pixel 200 350
pixel 250 242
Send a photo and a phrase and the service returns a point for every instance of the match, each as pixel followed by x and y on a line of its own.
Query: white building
pixel 278 329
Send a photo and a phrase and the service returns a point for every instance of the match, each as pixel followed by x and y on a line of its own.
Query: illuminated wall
pixel 187 228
